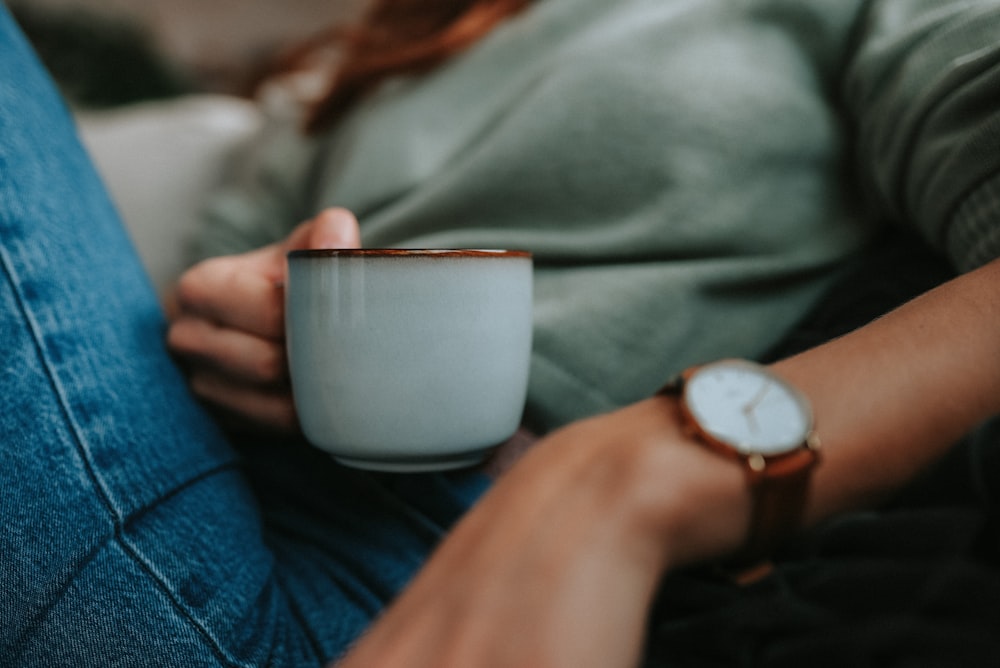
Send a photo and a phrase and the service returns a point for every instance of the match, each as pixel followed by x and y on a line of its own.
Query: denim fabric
pixel 133 533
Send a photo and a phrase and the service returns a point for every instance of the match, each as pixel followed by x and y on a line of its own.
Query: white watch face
pixel 745 406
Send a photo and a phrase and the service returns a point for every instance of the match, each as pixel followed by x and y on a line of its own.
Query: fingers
pixel 227 323
pixel 244 375
pixel 244 357
pixel 243 292
pixel 236 292
pixel 246 404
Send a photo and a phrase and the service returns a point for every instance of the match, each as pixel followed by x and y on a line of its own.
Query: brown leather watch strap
pixel 779 492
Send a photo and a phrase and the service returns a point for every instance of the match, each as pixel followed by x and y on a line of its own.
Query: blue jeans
pixel 134 533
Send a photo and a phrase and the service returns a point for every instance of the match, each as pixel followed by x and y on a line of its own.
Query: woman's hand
pixel 227 324
pixel 559 562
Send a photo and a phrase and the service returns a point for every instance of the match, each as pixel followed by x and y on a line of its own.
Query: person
pixel 140 532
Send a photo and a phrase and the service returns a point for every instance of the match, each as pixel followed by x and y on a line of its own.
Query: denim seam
pixel 63 587
pixel 84 454
pixel 57 389
pixel 296 611
pixel 204 475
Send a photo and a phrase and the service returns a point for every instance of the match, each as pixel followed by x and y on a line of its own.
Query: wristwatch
pixel 742 410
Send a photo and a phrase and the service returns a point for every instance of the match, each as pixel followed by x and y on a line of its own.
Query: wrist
pixel 693 504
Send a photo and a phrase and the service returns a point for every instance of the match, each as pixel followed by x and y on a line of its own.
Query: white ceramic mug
pixel 409 360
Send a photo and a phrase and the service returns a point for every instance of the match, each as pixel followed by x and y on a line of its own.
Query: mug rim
pixel 408 252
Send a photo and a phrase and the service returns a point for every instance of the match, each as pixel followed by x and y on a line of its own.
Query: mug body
pixel 409 360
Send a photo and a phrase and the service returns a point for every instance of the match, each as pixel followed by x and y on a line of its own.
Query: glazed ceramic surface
pixel 409 360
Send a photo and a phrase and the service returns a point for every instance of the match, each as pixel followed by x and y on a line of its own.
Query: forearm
pixel 895 395
pixel 889 399
pixel 565 552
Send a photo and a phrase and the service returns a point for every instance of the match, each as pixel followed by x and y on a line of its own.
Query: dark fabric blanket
pixel 914 583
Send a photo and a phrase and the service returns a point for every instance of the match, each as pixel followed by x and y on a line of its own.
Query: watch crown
pixel 756 462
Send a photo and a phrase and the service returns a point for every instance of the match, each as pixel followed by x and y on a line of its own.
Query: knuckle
pixel 271 365
pixel 201 386
pixel 285 415
pixel 198 282
pixel 179 337
pixel 189 286
pixel 272 317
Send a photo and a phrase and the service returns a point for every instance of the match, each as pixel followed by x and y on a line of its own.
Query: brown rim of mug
pixel 407 252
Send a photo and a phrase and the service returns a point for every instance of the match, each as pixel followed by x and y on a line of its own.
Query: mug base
pixel 458 460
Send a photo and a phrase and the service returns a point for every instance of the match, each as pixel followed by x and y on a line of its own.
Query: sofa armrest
pixel 159 161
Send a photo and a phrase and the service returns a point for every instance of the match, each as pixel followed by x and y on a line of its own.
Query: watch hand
pixel 752 404
pixel 748 409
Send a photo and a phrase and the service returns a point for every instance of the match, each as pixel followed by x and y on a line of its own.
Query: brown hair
pixel 399 37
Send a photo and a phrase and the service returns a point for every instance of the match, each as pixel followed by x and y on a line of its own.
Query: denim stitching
pixel 84 454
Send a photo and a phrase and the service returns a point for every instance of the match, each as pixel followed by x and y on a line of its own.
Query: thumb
pixel 330 228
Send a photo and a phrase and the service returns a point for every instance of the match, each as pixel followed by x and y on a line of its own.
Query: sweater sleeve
pixel 923 85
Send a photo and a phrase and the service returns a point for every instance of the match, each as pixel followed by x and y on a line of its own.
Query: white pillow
pixel 159 160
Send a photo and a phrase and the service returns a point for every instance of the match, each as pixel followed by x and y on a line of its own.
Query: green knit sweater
pixel 689 174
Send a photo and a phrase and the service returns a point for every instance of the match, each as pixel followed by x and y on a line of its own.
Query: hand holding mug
pixel 227 324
